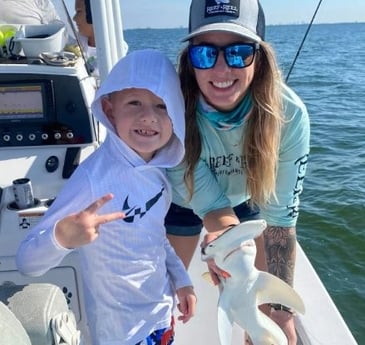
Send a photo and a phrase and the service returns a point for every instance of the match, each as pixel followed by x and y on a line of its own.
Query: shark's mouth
pixel 248 243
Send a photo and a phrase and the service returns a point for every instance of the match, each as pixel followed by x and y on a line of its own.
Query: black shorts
pixel 181 221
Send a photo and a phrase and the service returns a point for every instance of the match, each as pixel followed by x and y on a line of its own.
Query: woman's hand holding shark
pixel 216 273
pixel 217 221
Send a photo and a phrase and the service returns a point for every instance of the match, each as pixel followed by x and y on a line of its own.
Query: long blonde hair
pixel 262 138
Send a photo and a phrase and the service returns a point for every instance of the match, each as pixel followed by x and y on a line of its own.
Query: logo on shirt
pixel 301 164
pixel 135 211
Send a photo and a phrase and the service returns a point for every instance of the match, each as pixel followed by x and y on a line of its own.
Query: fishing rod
pixel 304 38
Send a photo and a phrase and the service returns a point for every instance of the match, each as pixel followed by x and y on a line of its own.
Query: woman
pixel 83 20
pixel 86 35
pixel 247 141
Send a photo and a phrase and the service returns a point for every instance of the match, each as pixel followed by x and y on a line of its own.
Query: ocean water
pixel 329 75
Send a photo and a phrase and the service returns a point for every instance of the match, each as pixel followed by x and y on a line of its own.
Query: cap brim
pixel 226 27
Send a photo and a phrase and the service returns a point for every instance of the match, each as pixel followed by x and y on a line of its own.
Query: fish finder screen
pixel 21 102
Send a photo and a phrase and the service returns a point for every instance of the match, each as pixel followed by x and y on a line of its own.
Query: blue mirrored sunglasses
pixel 238 55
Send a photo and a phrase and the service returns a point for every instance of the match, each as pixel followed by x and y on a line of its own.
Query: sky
pixel 174 13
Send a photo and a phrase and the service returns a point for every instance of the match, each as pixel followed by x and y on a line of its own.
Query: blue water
pixel 329 76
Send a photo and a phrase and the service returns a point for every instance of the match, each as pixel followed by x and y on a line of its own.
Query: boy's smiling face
pixel 140 119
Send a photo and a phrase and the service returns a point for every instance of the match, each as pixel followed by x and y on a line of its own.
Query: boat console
pixel 28 113
pixel 46 130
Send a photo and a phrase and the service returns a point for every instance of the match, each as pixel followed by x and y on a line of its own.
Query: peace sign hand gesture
pixel 81 228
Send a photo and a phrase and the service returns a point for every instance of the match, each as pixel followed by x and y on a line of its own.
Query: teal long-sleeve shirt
pixel 220 179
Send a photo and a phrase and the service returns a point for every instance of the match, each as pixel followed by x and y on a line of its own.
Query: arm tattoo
pixel 280 245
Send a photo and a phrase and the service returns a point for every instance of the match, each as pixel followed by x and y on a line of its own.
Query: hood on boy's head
pixel 148 69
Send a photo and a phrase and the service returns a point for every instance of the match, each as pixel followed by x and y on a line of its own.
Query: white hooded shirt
pixel 130 272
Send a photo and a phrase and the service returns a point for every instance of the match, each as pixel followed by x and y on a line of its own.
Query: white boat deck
pixel 322 324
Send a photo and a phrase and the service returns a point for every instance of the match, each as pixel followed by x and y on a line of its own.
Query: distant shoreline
pixel 288 24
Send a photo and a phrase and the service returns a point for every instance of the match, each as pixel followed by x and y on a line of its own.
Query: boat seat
pixel 36 314
pixel 11 330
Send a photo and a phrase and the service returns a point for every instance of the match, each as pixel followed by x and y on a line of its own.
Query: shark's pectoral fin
pixel 225 322
pixel 271 289
pixel 207 277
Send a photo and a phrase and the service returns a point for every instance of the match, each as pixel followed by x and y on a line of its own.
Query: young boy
pixel 113 207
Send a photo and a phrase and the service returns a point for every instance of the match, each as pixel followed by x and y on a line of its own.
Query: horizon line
pixel 274 24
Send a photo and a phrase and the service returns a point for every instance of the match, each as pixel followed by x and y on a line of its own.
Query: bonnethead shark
pixel 240 295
